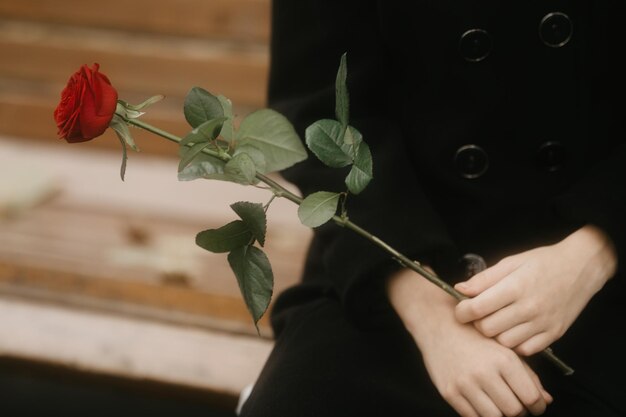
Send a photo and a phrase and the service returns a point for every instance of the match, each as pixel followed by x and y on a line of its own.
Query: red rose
pixel 87 105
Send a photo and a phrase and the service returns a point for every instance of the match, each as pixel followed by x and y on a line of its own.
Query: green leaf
pixel 149 102
pixel 124 158
pixel 203 166
pixel 241 169
pixel 351 139
pixel 193 151
pixel 205 132
pixel 126 139
pixel 333 145
pixel 253 215
pixel 255 154
pixel 342 100
pixel 225 239
pixel 127 110
pixel 227 131
pixel 318 208
pixel 134 110
pixel 271 133
pixel 255 278
pixel 123 133
pixel 348 137
pixel 361 173
pixel 210 168
pixel 201 106
pixel 324 139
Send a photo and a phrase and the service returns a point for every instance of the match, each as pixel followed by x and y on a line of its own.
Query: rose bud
pixel 87 105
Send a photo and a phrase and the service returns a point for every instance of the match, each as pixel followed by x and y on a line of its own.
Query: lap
pixel 323 365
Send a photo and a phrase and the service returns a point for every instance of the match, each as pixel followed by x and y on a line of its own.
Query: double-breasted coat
pixel 495 127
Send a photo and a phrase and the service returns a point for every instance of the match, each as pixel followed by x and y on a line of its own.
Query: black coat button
pixel 471 161
pixel 473 264
pixel 475 45
pixel 555 29
pixel 551 155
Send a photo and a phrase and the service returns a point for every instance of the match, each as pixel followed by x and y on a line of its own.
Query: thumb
pixel 485 279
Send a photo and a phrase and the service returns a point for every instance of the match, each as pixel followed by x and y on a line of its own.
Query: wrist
pixel 421 305
pixel 595 249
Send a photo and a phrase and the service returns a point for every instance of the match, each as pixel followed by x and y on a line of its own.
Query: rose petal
pixel 87 105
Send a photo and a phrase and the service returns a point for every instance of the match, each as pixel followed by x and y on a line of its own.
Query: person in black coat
pixel 498 137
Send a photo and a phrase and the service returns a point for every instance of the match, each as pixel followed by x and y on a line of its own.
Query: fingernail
pixel 548 396
pixel 461 286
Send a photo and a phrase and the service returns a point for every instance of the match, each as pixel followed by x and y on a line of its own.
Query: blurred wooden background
pixel 146 47
pixel 74 237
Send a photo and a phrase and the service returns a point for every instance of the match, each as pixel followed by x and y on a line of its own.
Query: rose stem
pixel 280 191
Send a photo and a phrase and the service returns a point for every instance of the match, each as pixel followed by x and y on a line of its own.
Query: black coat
pixel 495 127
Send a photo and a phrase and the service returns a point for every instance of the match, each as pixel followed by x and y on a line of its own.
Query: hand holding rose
pixel 527 301
pixel 475 375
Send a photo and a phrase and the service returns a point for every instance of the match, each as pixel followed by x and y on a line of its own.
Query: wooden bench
pixel 103 277
pixel 100 259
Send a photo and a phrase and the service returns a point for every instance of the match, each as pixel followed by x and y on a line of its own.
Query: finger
pixel 546 395
pixel 486 303
pixel 501 321
pixel 462 406
pixel 535 344
pixel 517 335
pixel 524 387
pixel 502 396
pixel 481 402
pixel 485 279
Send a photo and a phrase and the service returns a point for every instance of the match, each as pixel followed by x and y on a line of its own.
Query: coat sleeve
pixel 598 197
pixel 309 37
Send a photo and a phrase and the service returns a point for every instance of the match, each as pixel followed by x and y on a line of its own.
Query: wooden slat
pixel 243 20
pixel 184 306
pixel 129 348
pixel 94 255
pixel 129 247
pixel 31 118
pixel 26 110
pixel 90 181
pixel 147 65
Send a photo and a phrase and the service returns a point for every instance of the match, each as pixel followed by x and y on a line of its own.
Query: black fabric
pixel 309 40
pixel 417 101
pixel 324 365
